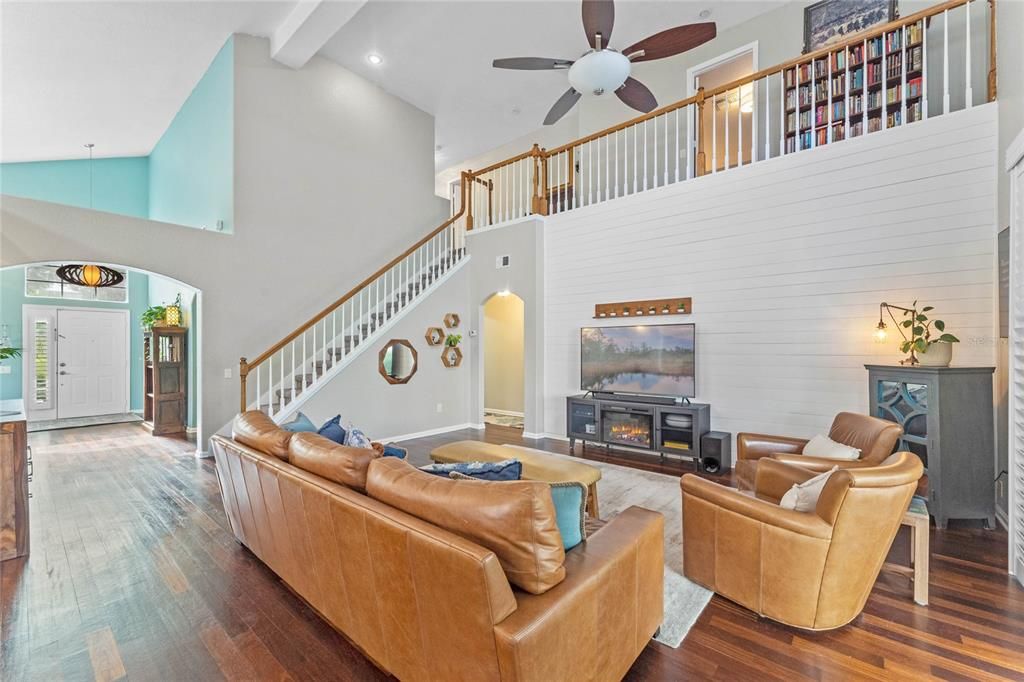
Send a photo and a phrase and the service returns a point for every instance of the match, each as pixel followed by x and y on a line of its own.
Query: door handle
pixel 62 372
pixel 62 364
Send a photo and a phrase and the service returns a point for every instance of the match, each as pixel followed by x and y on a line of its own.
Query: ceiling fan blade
pixel 635 94
pixel 531 63
pixel 598 17
pixel 672 41
pixel 562 106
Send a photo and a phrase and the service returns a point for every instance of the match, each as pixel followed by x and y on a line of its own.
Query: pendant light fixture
pixel 86 275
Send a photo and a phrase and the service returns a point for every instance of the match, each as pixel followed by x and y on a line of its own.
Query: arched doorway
pixel 503 360
pixel 81 352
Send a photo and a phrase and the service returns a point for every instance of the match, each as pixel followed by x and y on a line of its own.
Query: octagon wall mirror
pixel 397 361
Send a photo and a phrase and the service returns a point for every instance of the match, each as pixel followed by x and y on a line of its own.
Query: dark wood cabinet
pixel 15 474
pixel 947 419
pixel 165 409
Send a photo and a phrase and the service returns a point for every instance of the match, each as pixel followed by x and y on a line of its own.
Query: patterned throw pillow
pixel 506 470
pixel 357 439
pixel 333 430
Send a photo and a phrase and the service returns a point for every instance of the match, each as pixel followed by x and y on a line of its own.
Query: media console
pixel 674 429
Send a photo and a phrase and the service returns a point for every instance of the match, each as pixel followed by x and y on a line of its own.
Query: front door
pixel 92 362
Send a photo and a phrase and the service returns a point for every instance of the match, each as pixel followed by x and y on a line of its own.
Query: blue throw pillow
pixel 357 439
pixel 333 430
pixel 395 451
pixel 570 500
pixel 507 470
pixel 299 424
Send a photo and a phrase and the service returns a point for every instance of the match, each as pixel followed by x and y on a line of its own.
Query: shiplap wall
pixel 787 261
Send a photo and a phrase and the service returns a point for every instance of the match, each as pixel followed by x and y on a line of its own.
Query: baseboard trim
pixel 479 427
pixel 533 436
pixel 506 413
pixel 554 436
pixel 1002 519
pixel 428 432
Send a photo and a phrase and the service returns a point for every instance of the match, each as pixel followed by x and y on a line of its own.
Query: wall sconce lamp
pixel 881 333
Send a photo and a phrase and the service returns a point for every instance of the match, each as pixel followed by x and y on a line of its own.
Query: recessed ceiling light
pixel 705 13
pixel 375 59
pixel 516 111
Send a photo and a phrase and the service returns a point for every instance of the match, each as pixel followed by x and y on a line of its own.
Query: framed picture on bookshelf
pixel 832 21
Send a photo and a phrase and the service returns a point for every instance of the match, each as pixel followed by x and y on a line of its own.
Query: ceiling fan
pixel 602 69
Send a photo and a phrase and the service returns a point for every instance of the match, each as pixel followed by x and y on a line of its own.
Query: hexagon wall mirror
pixel 451 320
pixel 397 361
pixel 435 336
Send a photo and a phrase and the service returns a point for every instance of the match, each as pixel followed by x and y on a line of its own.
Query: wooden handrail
pixel 245 365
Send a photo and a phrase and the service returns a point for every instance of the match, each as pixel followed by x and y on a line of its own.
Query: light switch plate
pixel 227 373
pixel 5 369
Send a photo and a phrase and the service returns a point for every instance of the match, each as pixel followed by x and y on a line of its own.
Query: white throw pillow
pixel 803 497
pixel 823 446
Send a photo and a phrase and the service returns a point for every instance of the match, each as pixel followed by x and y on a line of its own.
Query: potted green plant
pixel 929 342
pixel 152 315
pixel 453 340
pixel 8 353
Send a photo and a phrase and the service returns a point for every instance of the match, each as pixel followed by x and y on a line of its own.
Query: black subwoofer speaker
pixel 716 452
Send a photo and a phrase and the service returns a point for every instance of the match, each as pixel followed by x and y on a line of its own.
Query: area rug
pixel 622 487
pixel 75 422
pixel 513 420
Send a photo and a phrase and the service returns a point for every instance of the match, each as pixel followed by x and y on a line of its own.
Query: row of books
pixel 914 55
pixel 874 100
pixel 820 69
pixel 914 88
pixel 893 118
pixel 821 90
pixel 820 115
pixel 838 61
pixel 839 131
pixel 874 47
pixel 874 73
pixel 914 111
pixel 838 85
pixel 821 136
pixel 894 41
pixel 894 95
pixel 894 65
pixel 915 32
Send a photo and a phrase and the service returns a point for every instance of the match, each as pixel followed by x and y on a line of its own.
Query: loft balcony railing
pixel 896 74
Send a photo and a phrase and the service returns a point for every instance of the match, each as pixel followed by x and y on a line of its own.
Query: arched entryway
pixel 504 373
pixel 83 355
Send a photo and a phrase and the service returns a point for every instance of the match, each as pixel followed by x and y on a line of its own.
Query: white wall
pixel 385 411
pixel 787 261
pixel 319 155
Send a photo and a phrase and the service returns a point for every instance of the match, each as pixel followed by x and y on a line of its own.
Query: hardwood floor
pixel 134 574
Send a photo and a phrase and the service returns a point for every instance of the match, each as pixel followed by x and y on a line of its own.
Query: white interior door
pixel 92 362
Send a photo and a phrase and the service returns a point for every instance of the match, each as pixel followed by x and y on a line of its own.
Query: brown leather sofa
pixel 427 603
pixel 875 438
pixel 811 570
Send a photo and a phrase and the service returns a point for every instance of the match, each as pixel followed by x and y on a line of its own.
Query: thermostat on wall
pixel 502 262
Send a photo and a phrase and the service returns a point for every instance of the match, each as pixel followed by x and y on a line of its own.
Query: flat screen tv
pixel 651 359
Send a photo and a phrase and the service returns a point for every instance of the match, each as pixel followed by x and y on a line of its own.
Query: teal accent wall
pixel 191 169
pixel 120 185
pixel 12 298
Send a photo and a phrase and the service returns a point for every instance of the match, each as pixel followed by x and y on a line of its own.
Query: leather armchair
pixel 875 438
pixel 811 570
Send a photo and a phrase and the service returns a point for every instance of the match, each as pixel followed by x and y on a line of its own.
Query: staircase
pixel 286 375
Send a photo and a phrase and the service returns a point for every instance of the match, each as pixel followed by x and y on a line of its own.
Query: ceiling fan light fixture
pixel 599 72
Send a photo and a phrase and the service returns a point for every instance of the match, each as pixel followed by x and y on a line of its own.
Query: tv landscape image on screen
pixel 656 359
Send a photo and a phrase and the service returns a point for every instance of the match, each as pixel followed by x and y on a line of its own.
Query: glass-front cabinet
pixel 947 419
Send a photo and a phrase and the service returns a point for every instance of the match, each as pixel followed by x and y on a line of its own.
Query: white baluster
pixel 259 397
pixel 904 65
pixel 645 154
pixel 885 81
pixel 636 151
pixel 782 110
pixel 689 148
pixel 714 134
pixel 304 384
pixel 767 118
pixel 607 167
pixel 597 168
pixel 969 91
pixel 739 126
pixel 864 90
pixel 280 385
pixel 270 386
pixel 590 172
pixel 664 177
pixel 945 61
pixel 654 135
pixel 678 151
pixel 725 119
pixel 924 70
pixel 615 185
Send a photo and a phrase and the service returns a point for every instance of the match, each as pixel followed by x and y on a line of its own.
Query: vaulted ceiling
pixel 115 73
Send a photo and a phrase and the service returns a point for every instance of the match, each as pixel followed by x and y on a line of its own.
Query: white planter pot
pixel 939 355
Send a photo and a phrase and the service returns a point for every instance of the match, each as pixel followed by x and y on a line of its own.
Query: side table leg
pixel 920 563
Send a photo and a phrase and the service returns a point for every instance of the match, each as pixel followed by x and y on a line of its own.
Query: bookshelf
pixel 863 88
pixel 165 380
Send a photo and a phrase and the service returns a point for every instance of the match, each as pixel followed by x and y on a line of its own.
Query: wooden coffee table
pixel 537 466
